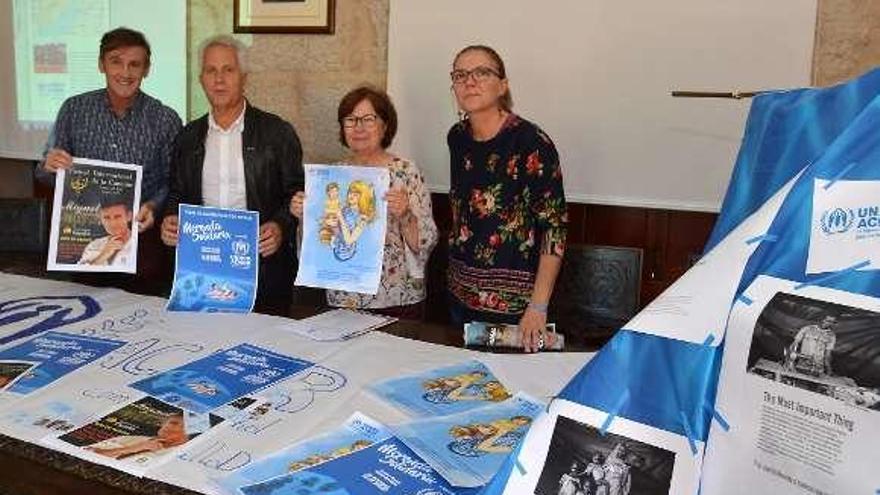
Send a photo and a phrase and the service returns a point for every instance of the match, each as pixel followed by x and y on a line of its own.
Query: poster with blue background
pixel 358 432
pixel 217 260
pixel 468 448
pixel 388 466
pixel 344 221
pixel 56 354
pixel 442 391
pixel 222 377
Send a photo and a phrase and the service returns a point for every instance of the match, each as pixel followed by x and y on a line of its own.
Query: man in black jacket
pixel 238 156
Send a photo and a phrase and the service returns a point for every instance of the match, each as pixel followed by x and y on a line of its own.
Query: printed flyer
pixel 385 467
pixel 11 371
pixel 93 212
pixel 468 448
pixel 442 391
pixel 56 355
pixel 344 221
pixel 135 436
pixel 565 452
pixel 800 387
pixel 358 432
pixel 217 260
pixel 222 377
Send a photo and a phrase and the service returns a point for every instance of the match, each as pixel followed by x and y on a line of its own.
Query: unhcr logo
pixel 837 220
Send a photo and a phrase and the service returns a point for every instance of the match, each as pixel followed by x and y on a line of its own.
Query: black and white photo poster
pixel 565 453
pixel 800 387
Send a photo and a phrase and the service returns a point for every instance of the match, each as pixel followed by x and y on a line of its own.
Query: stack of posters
pixel 441 391
pixel 468 421
pixel 343 228
pixel 217 260
pixel 92 217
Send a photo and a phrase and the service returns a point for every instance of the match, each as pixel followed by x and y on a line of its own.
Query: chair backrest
pixel 597 290
pixel 25 225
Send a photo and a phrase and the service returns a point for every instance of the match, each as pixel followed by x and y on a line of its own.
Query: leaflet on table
pixel 56 355
pixel 217 260
pixel 442 391
pixel 93 217
pixel 358 432
pixel 222 377
pixel 468 448
pixel 12 371
pixel 387 466
pixel 337 324
pixel 800 387
pixel 343 228
pixel 565 452
pixel 135 436
pixel 481 334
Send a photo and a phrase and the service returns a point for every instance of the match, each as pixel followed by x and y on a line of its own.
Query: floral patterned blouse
pixel 403 270
pixel 508 208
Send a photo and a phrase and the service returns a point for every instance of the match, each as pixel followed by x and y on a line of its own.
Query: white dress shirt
pixel 223 183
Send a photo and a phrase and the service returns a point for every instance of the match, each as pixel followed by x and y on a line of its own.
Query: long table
pixel 28 468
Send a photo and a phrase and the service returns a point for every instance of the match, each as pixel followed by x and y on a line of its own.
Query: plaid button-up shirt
pixel 87 127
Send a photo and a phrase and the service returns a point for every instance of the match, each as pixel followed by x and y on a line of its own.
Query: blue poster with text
pixel 385 467
pixel 55 354
pixel 222 377
pixel 217 260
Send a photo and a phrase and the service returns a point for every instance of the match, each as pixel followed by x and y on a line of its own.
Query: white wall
pixel 596 75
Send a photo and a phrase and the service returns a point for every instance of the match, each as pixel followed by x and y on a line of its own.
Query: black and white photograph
pixel 582 461
pixel 819 346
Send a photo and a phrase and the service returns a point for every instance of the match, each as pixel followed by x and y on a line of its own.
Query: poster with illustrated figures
pixel 217 265
pixel 343 227
pixel 93 217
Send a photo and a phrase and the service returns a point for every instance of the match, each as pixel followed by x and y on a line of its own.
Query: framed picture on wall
pixel 284 16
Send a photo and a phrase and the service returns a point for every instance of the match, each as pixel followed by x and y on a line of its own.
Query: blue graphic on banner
pixel 217 260
pixel 222 377
pixel 358 432
pixel 21 318
pixel 468 448
pixel 442 391
pixel 344 223
pixel 783 135
pixel 857 149
pixel 385 467
pixel 57 354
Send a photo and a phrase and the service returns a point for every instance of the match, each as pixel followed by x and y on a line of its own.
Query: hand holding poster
pixel 217 260
pixel 343 228
pixel 92 217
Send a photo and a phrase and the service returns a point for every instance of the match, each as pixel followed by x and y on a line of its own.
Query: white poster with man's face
pixel 800 389
pixel 845 228
pixel 93 217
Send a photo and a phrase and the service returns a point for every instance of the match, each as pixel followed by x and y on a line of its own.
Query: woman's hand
pixel 296 205
pixel 398 202
pixel 532 326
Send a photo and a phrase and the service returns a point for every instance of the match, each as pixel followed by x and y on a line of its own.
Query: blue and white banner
pixel 799 386
pixel 344 222
pixel 217 260
pixel 55 354
pixel 222 377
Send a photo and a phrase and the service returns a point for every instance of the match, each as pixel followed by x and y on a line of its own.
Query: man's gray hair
pixel 229 42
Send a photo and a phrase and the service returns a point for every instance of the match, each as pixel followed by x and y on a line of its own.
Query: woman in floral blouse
pixel 367 124
pixel 508 206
